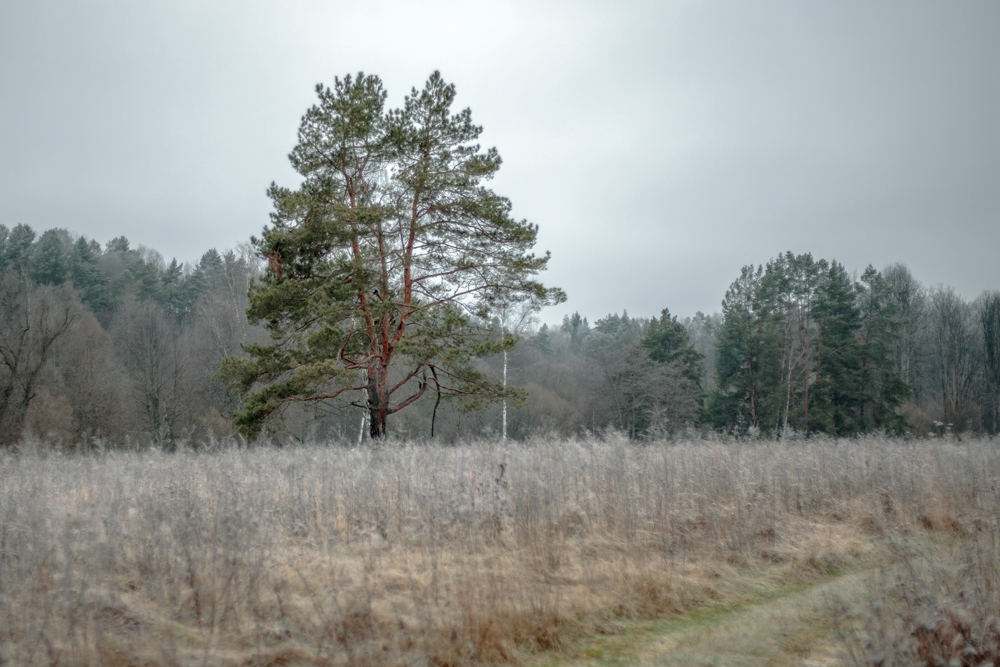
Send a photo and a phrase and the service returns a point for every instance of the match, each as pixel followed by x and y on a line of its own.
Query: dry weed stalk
pixel 938 605
pixel 447 555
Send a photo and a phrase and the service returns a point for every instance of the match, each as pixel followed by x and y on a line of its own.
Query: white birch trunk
pixel 504 428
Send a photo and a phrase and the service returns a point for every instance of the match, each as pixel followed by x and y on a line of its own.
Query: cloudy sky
pixel 659 146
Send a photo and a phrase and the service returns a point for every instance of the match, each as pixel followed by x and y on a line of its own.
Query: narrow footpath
pixel 792 627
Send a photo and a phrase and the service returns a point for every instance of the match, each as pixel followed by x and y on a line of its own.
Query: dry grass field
pixel 482 553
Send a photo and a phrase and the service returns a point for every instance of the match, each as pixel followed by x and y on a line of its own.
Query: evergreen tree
pixel 85 273
pixel 788 290
pixel 212 268
pixel 50 258
pixel 838 376
pixel 747 362
pixel 119 245
pixel 391 253
pixel 802 346
pixel 542 340
pixel 613 332
pixel 174 293
pixel 142 279
pixel 577 328
pixel 639 396
pixel 4 235
pixel 237 275
pixel 118 258
pixel 667 342
pixel 882 390
pixel 17 249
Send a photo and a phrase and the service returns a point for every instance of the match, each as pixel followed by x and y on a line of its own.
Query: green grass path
pixel 791 626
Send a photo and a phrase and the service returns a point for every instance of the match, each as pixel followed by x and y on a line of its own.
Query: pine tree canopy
pixel 803 346
pixel 667 342
pixel 385 265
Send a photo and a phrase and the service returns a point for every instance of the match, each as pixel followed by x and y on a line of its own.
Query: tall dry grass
pixel 438 555
pixel 937 604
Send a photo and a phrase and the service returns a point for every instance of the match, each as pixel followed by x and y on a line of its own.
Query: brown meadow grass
pixel 444 555
pixel 938 604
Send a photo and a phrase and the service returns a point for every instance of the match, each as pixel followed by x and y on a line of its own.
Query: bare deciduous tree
pixel 642 397
pixel 954 357
pixel 989 317
pixel 910 299
pixel 94 380
pixel 159 365
pixel 32 319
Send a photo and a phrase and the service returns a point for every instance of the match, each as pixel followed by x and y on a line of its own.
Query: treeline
pixel 113 345
pixel 801 346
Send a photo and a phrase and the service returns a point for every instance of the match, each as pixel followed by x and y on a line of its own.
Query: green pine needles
pixel 803 346
pixel 387 263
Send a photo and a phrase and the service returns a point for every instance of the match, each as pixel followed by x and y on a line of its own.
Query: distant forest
pixel 111 345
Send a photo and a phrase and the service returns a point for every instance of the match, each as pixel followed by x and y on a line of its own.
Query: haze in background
pixel 659 146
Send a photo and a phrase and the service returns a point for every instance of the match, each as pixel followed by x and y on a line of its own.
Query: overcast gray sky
pixel 660 146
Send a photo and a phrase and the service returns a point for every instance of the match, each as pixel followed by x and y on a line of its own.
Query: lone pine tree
pixel 385 265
